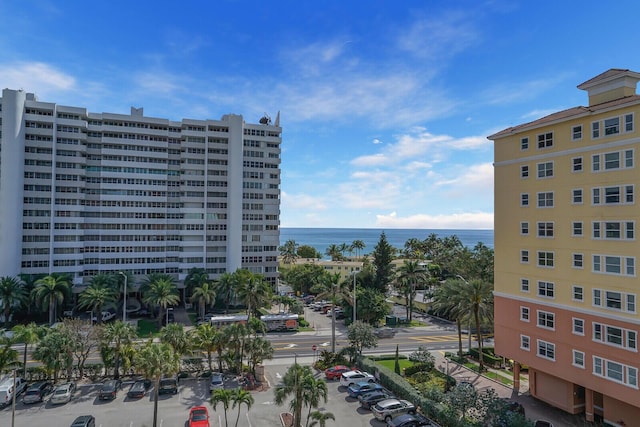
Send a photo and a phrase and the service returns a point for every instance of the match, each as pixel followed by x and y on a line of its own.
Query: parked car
pixel 139 388
pixel 109 389
pixel 63 393
pixel 357 389
pixel 352 377
pixel 199 417
pixel 334 372
pixel 542 423
pixel 168 385
pixel 408 420
pixel 385 332
pixel 387 409
pixel 339 314
pixel 7 389
pixel 217 381
pixel 84 421
pixel 37 392
pixel 367 400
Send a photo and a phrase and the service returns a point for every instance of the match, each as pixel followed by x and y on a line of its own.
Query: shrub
pixel 488 357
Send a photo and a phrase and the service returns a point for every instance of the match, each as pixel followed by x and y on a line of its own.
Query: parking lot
pixel 173 409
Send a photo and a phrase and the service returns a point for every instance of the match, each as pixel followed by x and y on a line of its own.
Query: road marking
pixel 248 420
pixel 292 345
pixel 436 338
pixel 278 376
pixel 325 344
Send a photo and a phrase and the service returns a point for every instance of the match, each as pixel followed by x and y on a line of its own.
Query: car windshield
pixel 61 391
pixel 199 415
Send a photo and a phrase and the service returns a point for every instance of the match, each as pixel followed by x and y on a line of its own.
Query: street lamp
pixel 124 302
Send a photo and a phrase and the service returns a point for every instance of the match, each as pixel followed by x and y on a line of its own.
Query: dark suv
pixel 37 392
pixel 109 389
pixel 168 386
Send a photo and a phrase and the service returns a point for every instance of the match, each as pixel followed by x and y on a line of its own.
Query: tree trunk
pixel 155 402
pixel 52 305
pixel 459 325
pixel 479 334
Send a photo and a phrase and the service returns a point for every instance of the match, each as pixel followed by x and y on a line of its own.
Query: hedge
pixel 487 356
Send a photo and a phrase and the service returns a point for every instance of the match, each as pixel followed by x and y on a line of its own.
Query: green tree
pixel 55 351
pixel 447 302
pixel 96 296
pixel 12 294
pixel 28 334
pixel 225 288
pixel 303 277
pixel 371 305
pixel 258 350
pixel 177 337
pixel 358 245
pixel 241 397
pixel 383 255
pixel 204 338
pixel 255 293
pixel 477 298
pixel 396 367
pixel 291 389
pixel 117 336
pixel 223 396
pixel 204 294
pixel 156 360
pixel 196 277
pixel 8 355
pixel 361 335
pixel 410 274
pixel 334 252
pixel 308 252
pixel 85 338
pixel 49 292
pixel 314 392
pixel 320 418
pixel 337 290
pixel 237 336
pixel 161 293
pixel 289 252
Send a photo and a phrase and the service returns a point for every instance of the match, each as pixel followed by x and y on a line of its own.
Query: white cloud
pixel 38 77
pixel 302 201
pixel 464 220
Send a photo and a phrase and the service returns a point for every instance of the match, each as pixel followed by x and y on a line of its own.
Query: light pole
pixel 13 401
pixel 355 273
pixel 124 302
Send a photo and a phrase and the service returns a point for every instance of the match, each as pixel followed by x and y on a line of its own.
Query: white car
pixel 63 393
pixel 387 409
pixel 353 377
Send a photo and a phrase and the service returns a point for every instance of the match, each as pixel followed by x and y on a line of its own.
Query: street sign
pixel 314 347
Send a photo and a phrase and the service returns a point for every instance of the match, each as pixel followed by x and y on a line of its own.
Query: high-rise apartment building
pixel 87 193
pixel 566 281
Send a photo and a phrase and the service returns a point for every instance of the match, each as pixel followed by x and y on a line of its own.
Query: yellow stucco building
pixel 566 280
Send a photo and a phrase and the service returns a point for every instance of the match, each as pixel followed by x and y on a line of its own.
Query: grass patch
pixel 305 329
pixel 147 328
pixel 391 364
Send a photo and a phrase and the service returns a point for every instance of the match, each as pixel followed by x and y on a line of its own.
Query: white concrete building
pixel 84 193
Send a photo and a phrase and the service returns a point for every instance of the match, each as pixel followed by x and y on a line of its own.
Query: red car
pixel 199 417
pixel 335 372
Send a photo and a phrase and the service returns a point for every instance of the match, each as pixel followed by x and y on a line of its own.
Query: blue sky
pixel 385 105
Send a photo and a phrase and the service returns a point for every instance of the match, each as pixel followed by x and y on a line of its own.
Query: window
pixel 524 144
pixel 545 170
pixel 524 314
pixel 545 229
pixel 524 228
pixel 576 196
pixel 578 326
pixel 576 228
pixel 628 122
pixel 577 293
pixel 576 133
pixel 524 199
pixel 595 130
pixel 545 259
pixel 612 161
pixel 578 359
pixel 612 126
pixel 595 163
pixel 524 171
pixel 545 200
pixel 524 285
pixel 545 140
pixel 608 264
pixel 546 350
pixel 546 289
pixel 619 194
pixel 546 319
pixel 614 230
pixel 576 163
pixel 616 372
pixel 525 343
pixel 524 256
pixel 578 261
pixel 614 300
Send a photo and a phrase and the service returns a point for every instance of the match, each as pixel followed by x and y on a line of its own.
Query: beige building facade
pixel 566 251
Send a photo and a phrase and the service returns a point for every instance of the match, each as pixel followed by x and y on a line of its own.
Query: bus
pixel 222 321
pixel 280 322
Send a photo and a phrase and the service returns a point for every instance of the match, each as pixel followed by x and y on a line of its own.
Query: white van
pixel 6 389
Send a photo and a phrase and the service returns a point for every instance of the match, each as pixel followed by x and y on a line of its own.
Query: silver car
pixel 63 393
pixel 217 382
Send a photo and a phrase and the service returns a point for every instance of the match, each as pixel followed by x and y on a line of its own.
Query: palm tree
pixel 50 291
pixel 289 252
pixel 255 293
pixel 161 293
pixel 239 397
pixel 335 289
pixel 177 337
pixel 225 288
pixel 412 272
pixel 314 392
pixel 258 350
pixel 118 335
pixel 55 351
pixel 203 338
pixel 28 334
pixel 320 418
pixel 196 276
pixel 12 294
pixel 204 294
pixel 237 336
pixel 333 251
pixel 477 298
pixel 358 245
pixel 224 396
pixel 156 360
pixel 291 389
pixel 447 303
pixel 8 355
pixel 97 296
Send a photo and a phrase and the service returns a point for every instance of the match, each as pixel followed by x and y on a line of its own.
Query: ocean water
pixel 322 238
